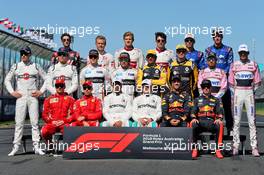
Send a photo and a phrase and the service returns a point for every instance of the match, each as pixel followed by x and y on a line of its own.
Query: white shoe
pixel 255 152
pixel 14 150
pixel 38 150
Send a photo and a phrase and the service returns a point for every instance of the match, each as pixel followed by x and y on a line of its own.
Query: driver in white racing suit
pixel 26 92
pixel 127 75
pixel 146 107
pixel 117 107
pixel 96 74
pixel 64 71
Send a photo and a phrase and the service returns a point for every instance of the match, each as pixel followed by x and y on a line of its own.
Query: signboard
pixel 119 143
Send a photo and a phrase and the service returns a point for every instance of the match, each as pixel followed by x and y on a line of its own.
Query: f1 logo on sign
pixel 117 141
pixel 127 142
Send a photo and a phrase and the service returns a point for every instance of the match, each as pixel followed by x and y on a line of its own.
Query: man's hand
pixel 16 94
pixel 36 94
pixel 80 118
pixel 175 122
pixel 217 121
pixel 58 122
pixel 143 121
pixel 85 123
pixel 167 117
pixel 148 120
pixel 194 121
pixel 118 124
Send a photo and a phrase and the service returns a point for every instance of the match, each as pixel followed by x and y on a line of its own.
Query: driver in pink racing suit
pixel 244 79
pixel 217 77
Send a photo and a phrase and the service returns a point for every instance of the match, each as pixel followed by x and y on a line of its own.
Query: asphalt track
pixel 206 164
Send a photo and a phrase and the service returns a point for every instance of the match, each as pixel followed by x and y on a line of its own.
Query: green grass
pixel 6 124
pixel 260 109
pixel 260 112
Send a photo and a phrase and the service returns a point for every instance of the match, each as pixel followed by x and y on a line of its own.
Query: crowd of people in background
pixel 164 88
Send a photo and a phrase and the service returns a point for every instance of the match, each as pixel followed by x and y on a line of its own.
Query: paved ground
pixel 207 164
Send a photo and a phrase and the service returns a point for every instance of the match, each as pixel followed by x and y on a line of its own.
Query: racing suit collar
pixel 87 97
pixel 102 53
pixel 94 66
pixel 129 48
pixel 60 95
pixel 160 50
pixel 206 96
pixel 63 65
pixel 212 69
pixel 147 95
pixel 247 61
pixel 152 65
pixel 219 46
pixel 117 93
pixel 180 62
pixel 68 48
pixel 124 69
pixel 27 63
pixel 190 50
pixel 176 92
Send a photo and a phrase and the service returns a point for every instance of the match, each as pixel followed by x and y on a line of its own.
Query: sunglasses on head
pixel 59 86
pixel 87 87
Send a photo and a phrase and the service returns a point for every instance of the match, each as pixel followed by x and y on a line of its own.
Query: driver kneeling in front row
pixel 146 107
pixel 207 114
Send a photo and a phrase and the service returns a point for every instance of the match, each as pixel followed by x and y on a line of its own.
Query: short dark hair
pixel 161 34
pixel 217 32
pixel 65 34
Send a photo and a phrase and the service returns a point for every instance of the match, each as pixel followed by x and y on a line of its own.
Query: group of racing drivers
pixel 189 89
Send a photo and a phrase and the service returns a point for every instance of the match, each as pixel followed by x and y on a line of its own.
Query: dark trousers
pixel 227 104
pixel 208 125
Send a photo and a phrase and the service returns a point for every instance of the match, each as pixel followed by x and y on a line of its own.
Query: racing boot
pixel 194 153
pixel 37 149
pixel 218 154
pixel 235 151
pixel 255 152
pixel 14 150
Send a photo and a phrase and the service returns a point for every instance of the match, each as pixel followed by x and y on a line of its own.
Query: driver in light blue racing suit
pixel 192 54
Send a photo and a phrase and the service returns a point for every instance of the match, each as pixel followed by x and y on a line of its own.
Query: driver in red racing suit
pixel 57 111
pixel 88 109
